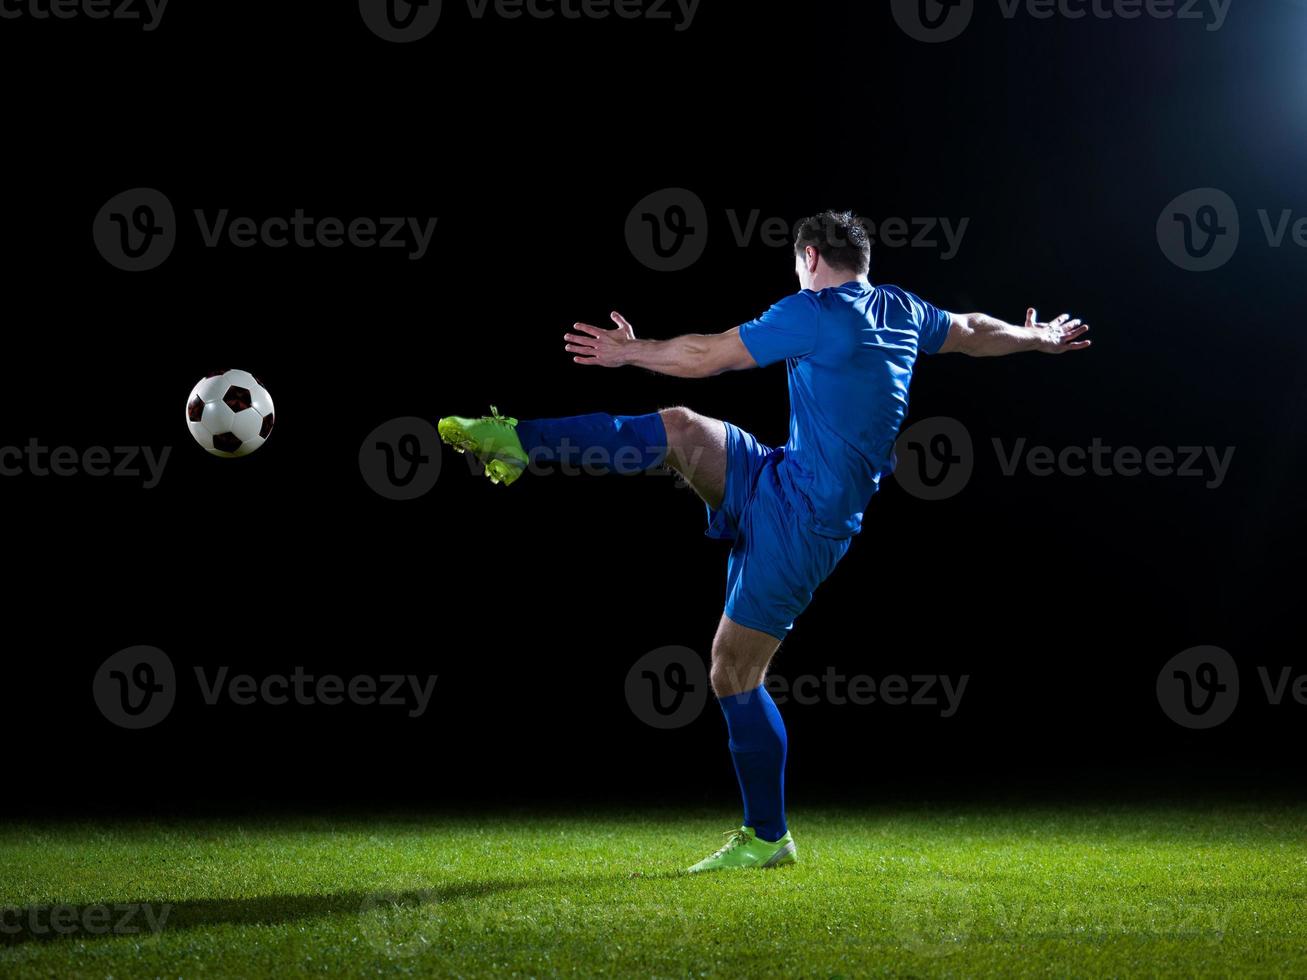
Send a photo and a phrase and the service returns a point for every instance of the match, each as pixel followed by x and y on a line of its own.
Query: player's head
pixel 831 248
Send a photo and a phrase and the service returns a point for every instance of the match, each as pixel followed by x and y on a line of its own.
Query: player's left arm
pixel 980 335
pixel 696 355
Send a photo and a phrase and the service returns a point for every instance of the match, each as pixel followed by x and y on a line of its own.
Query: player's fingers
pixel 1075 330
pixel 1030 316
pixel 578 349
pixel 583 339
pixel 1062 319
pixel 586 360
pixel 586 328
pixel 620 320
pixel 1078 345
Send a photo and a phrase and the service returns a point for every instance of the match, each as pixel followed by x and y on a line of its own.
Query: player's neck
pixel 834 278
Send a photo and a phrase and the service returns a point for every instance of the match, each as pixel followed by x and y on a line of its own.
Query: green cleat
pixel 743 849
pixel 492 440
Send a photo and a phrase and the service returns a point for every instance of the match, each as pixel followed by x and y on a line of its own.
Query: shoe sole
pixel 787 855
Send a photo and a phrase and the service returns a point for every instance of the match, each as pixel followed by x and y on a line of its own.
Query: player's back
pixel 850 352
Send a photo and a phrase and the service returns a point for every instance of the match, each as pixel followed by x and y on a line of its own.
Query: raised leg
pixel 696 449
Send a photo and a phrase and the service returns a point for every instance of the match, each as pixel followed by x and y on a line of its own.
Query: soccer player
pixel 790 511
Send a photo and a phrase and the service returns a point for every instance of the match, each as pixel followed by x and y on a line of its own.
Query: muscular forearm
pixel 690 356
pixel 987 336
pixel 981 335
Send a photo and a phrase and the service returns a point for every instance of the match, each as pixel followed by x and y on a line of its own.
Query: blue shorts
pixel 776 562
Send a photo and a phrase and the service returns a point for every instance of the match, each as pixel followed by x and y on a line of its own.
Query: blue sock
pixel 758 747
pixel 598 443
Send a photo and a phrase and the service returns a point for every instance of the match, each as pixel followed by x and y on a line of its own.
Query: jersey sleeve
pixel 788 329
pixel 932 324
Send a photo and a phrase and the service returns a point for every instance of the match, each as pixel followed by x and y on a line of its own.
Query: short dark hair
pixel 839 237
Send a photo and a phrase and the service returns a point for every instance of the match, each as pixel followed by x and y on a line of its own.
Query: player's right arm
pixel 696 355
pixel 980 335
pixel 788 329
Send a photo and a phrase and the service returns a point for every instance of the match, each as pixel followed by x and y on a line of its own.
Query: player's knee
pixel 732 674
pixel 680 424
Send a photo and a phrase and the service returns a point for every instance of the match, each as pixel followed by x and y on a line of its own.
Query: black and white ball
pixel 230 413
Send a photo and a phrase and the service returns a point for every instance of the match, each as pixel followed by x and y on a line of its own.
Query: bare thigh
pixel 740 656
pixel 696 449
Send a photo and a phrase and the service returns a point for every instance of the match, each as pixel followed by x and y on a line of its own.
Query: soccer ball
pixel 229 413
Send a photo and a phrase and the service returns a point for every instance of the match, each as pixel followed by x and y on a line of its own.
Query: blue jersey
pixel 849 352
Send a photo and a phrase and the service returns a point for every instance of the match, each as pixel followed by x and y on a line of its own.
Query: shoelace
pixel 504 419
pixel 734 839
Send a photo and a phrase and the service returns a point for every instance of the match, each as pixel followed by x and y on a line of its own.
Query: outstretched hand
pixel 597 345
pixel 1060 336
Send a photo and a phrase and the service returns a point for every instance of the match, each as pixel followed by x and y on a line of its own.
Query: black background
pixel 531 140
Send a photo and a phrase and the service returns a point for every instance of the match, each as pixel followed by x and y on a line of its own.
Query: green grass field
pixel 962 891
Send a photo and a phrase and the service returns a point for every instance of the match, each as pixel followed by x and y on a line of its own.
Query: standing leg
pixel 740 656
